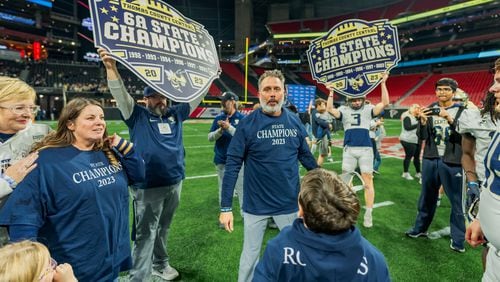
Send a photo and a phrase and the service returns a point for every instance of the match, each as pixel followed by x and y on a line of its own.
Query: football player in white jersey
pixel 487 223
pixel 356 117
pixel 477 128
pixel 17 135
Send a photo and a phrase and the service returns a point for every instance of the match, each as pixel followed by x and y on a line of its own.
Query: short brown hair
pixel 497 65
pixel 319 101
pixel 329 205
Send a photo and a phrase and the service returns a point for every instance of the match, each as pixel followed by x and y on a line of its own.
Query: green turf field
pixel 203 252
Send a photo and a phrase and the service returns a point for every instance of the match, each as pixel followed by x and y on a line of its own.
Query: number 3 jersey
pixel 356 125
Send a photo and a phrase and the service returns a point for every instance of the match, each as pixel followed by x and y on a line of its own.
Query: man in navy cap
pixel 222 131
pixel 157 132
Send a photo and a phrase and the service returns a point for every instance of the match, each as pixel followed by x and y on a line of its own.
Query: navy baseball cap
pixel 228 96
pixel 149 91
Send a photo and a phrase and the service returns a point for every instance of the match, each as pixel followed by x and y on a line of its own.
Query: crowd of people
pixel 66 189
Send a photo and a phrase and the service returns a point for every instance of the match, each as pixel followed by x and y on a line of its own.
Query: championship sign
pixel 353 54
pixel 171 53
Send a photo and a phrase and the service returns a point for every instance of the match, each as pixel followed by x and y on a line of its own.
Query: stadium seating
pixel 398 86
pixel 475 83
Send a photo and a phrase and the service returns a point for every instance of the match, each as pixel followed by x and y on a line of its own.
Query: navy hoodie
pixel 299 254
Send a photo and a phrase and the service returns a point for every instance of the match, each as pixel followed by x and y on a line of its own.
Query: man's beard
pixel 159 109
pixel 271 109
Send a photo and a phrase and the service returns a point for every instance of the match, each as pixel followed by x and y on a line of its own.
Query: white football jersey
pixel 18 147
pixel 482 129
pixel 356 125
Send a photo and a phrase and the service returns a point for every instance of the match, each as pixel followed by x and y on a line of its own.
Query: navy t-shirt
pixel 270 147
pixel 78 204
pixel 159 141
pixel 221 145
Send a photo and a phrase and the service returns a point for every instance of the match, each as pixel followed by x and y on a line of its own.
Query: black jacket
pixel 453 142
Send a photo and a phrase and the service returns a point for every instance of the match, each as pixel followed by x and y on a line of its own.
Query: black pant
pixel 411 151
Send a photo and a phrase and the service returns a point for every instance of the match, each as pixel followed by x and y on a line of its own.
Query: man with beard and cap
pixel 222 131
pixel 323 244
pixel 269 141
pixel 156 130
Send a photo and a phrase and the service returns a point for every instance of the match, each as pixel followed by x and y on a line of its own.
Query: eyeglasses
pixel 445 89
pixel 52 267
pixel 21 109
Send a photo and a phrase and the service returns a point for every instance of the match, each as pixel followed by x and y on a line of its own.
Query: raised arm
pixel 385 96
pixel 124 101
pixel 329 104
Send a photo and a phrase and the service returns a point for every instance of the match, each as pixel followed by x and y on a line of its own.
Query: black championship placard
pixel 171 53
pixel 353 54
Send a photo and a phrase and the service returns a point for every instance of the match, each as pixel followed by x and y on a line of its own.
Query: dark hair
pixel 489 106
pixel 62 136
pixel 446 81
pixel 328 204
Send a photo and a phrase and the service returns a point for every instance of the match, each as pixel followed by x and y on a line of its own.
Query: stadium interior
pixel 49 44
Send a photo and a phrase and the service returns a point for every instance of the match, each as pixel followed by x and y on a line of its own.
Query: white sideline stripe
pixel 382 204
pixel 201 176
pixel 199 146
pixel 124 132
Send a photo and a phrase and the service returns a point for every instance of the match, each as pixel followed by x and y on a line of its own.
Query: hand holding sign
pixel 171 53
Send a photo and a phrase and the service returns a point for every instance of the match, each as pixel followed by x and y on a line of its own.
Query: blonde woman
pixel 17 135
pixel 410 142
pixel 30 261
pixel 76 200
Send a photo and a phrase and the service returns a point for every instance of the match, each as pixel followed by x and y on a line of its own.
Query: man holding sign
pixel 356 117
pixel 157 132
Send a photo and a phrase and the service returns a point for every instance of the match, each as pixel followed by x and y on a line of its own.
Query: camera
pixel 435 111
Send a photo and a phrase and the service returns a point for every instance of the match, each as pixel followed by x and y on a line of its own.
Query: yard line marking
pixel 382 204
pixel 201 176
pixel 199 146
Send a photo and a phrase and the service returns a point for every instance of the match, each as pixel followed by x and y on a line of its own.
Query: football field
pixel 202 252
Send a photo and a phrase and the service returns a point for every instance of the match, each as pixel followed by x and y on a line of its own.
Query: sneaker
pixel 438 202
pixel 407 176
pixel 418 175
pixel 414 234
pixel 330 160
pixel 376 172
pixel 368 221
pixel 456 249
pixel 168 273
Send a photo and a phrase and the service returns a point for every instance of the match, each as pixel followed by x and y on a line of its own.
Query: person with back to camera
pixel 76 200
pixel 270 142
pixel 410 141
pixel 441 164
pixel 323 244
pixel 17 135
pixel 222 131
pixel 157 131
pixel 30 261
